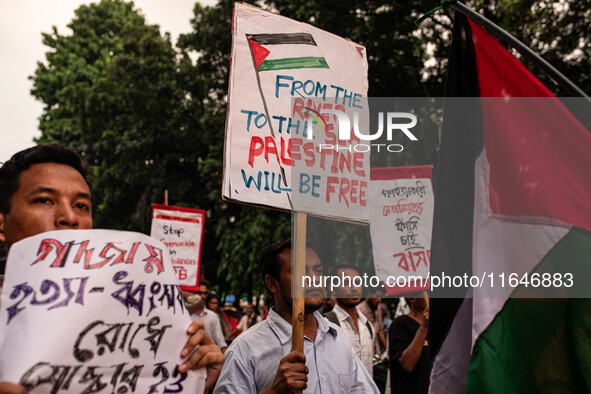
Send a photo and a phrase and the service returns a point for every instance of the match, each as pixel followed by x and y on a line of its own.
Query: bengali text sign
pixel 93 311
pixel 401 222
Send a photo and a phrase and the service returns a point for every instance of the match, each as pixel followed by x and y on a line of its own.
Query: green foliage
pixel 110 91
pixel 557 30
pixel 395 47
pixel 236 233
pixel 151 117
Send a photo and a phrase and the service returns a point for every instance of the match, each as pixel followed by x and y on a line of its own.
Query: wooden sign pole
pixel 298 271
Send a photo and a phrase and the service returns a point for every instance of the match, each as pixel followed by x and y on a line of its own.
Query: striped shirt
pixel 376 318
pixel 362 339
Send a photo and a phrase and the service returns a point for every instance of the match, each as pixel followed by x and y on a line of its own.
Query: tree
pixel 396 48
pixel 239 232
pixel 110 91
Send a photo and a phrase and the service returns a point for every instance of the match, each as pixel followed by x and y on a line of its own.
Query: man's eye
pixel 82 206
pixel 42 200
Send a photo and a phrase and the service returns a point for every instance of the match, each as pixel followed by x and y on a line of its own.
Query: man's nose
pixel 66 217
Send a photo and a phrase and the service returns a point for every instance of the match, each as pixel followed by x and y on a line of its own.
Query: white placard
pixel 284 76
pixel 401 223
pixel 93 311
pixel 180 229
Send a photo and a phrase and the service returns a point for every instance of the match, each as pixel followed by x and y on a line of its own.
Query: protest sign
pixel 285 78
pixel 93 311
pixel 401 222
pixel 180 229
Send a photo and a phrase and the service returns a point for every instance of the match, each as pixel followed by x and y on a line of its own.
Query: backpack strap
pixel 332 317
pixel 369 327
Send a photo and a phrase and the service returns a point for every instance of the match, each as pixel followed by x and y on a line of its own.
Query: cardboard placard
pixel 285 75
pixel 93 311
pixel 401 223
pixel 180 229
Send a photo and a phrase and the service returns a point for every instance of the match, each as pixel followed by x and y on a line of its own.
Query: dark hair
pixel 269 257
pixel 211 296
pixel 370 290
pixel 23 160
pixel 340 266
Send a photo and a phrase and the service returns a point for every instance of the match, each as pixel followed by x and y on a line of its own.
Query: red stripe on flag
pixel 539 153
pixel 500 74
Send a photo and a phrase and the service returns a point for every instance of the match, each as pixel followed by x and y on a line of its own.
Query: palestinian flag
pixel 273 52
pixel 513 190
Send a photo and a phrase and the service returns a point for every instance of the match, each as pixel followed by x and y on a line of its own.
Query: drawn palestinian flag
pixel 513 189
pixel 272 52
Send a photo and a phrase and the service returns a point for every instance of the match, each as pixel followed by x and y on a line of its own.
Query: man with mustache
pixel 346 314
pixel 260 360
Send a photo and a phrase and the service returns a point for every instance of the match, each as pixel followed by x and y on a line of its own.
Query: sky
pixel 21 25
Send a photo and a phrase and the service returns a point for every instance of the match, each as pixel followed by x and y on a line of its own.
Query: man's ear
pixel 2 220
pixel 271 284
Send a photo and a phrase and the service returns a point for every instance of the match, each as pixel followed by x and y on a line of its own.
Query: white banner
pixel 401 223
pixel 284 77
pixel 180 229
pixel 93 311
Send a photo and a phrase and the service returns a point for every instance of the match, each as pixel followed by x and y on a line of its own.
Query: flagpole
pixel 520 47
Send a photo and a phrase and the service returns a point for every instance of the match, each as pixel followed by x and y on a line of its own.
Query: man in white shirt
pixel 347 315
pixel 260 360
pixel 249 319
pixel 212 323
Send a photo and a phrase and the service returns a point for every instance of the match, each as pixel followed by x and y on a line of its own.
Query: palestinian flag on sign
pixel 513 188
pixel 272 52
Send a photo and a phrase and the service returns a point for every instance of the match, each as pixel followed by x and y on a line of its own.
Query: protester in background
pixel 372 311
pixel 260 360
pixel 233 318
pixel 203 289
pixel 191 301
pixel 213 303
pixel 249 319
pixel 345 314
pixel 409 349
pixel 45 188
pixel 211 321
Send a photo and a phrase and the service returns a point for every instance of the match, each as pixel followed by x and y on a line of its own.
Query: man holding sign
pixel 260 361
pixel 44 188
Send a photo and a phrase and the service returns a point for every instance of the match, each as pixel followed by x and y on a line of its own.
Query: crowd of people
pixel 394 353
pixel 246 349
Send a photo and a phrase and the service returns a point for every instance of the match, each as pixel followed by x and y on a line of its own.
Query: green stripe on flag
pixel 293 63
pixel 540 345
